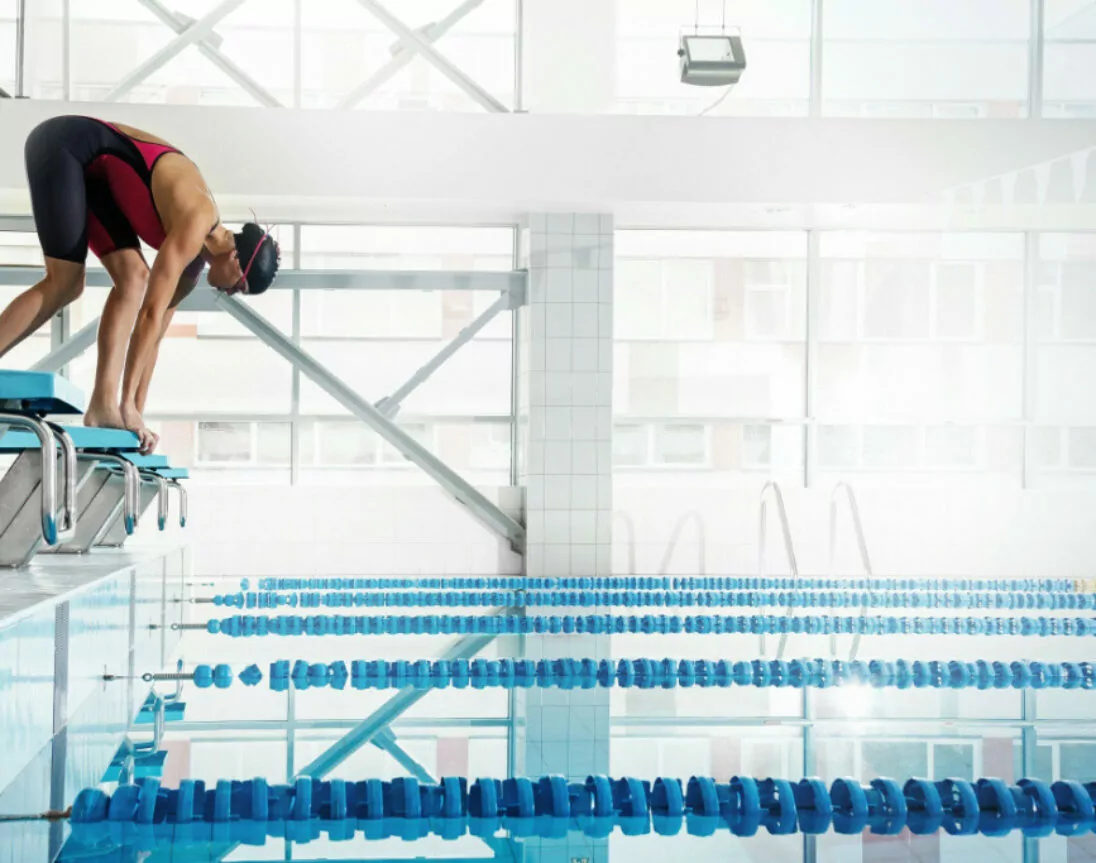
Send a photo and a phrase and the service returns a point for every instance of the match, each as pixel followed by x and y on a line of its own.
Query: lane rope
pixel 699 582
pixel 1010 600
pixel 650 624
pixel 595 807
pixel 655 674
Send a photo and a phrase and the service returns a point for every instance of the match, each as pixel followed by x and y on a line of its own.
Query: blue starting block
pixel 101 490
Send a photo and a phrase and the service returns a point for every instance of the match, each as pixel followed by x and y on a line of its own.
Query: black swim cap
pixel 258 254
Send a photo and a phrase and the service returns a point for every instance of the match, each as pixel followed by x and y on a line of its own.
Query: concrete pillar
pixel 565 463
pixel 569 56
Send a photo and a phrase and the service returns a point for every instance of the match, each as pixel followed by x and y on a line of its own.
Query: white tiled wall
pixel 566 383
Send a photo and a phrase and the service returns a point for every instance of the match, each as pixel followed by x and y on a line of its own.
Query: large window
pixel 1064 404
pixel 341 47
pixel 920 355
pixel 961 59
pixel 1069 56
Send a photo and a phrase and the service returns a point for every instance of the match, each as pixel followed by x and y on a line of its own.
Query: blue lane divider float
pixel 644 582
pixel 1010 600
pixel 551 806
pixel 657 674
pixel 245 625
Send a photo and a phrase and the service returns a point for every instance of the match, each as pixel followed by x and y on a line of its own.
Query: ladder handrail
pixel 631 526
pixel 862 549
pixel 675 537
pixel 789 548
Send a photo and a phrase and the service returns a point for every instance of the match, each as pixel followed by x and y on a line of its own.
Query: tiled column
pixel 565 464
pixel 565 395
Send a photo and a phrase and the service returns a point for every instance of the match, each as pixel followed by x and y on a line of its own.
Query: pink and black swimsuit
pixel 91 187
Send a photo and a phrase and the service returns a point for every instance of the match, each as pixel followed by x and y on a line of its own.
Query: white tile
pixel 558 355
pixel 557 526
pixel 558 316
pixel 534 455
pixel 561 223
pixel 583 423
pixel 584 354
pixel 585 318
pixel 606 224
pixel 584 286
pixel 537 315
pixel 584 457
pixel 583 526
pixel 557 424
pixel 535 524
pixel 603 457
pixel 605 321
pixel 558 457
pixel 557 389
pixel 583 559
pixel 603 559
pixel 534 559
pixel 557 559
pixel 535 387
pixel 605 286
pixel 604 491
pixel 557 492
pixel 585 258
pixel 559 286
pixel 538 286
pixel 535 354
pixel 604 388
pixel 604 355
pixel 534 492
pixel 561 258
pixel 584 389
pixel 538 222
pixel 604 422
pixel 587 223
pixel 604 526
pixel 538 257
pixel 584 492
pixel 558 243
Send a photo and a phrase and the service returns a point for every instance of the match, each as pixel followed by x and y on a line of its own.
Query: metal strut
pixel 486 512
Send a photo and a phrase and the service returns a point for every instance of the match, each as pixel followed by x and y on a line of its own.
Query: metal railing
pixel 631 527
pixel 772 489
pixel 861 547
pixel 675 537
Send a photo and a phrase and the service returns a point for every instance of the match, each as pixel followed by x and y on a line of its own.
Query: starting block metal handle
pixel 49 470
pixel 178 486
pixel 130 506
pixel 67 523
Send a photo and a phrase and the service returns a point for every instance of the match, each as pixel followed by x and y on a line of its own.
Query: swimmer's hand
pixel 136 424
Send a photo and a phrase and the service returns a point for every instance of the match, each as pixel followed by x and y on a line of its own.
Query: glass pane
pixel 682 445
pixel 629 445
pixel 925 58
pixel 272 443
pixel 346 444
pixel 224 442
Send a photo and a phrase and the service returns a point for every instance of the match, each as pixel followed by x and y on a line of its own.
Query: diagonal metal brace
pixel 405 54
pixel 485 511
pixel 68 350
pixel 390 405
pixel 180 23
pixel 195 32
pixel 431 55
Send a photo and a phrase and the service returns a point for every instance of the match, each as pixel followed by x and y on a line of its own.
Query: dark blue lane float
pixel 653 582
pixel 516 598
pixel 647 624
pixel 656 674
pixel 550 806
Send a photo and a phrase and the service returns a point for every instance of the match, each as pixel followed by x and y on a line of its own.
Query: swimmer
pixel 106 187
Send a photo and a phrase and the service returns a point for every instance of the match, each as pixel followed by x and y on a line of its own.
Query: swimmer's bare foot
pixel 104 416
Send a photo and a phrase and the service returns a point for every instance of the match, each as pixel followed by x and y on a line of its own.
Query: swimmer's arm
pixel 178 250
pixel 182 291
